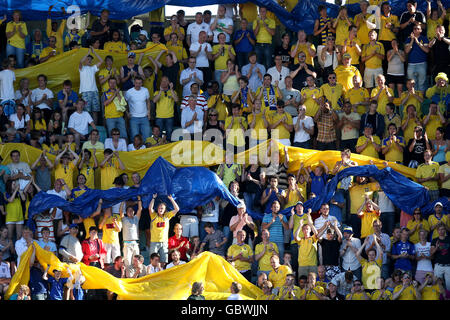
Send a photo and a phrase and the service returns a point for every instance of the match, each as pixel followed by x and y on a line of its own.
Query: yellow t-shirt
pixel 293 198
pixel 408 133
pixel 235 135
pixel 414 237
pixel 248 11
pixel 433 123
pixel 283 293
pixel 87 223
pixel 445 169
pixel 108 173
pixel 283 133
pixel 179 50
pixel 383 99
pixel 368 49
pixel 370 149
pixel 342 31
pixel 110 235
pixel 249 107
pixel 312 296
pixel 278 278
pixel 58 34
pixel 357 192
pixel 104 73
pixel 371 271
pixel 51 148
pixel 377 293
pixel 259 132
pixel 269 97
pixel 159 227
pixel 16 41
pixel 89 173
pixel 169 30
pixel 385 33
pixel 431 292
pixel 297 220
pixel 246 251
pixel 66 173
pixel 111 109
pixel 311 105
pixel 393 154
pixel 351 50
pixel 356 96
pixel 149 83
pixel 263 35
pixel 307 251
pixel 264 261
pixel 165 105
pixel 408 294
pixel 367 223
pixel 345 76
pixel 428 171
pixel 305 49
pixel 395 119
pixel 221 62
pixel 431 27
pixel 46 51
pixel 358 296
pixel 433 220
pixel 363 29
pixel 116 47
pixel 38 125
pixel 412 100
pixel 333 94
pixel 219 103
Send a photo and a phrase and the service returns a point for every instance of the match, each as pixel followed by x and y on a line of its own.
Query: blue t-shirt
pixel 335 211
pixel 276 229
pixel 417 55
pixel 50 244
pixel 244 45
pixel 400 247
pixel 318 183
pixel 37 284
pixel 272 198
pixel 56 288
pixel 71 99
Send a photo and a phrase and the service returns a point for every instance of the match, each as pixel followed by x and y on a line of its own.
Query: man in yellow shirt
pixel 110 168
pixel 372 56
pixel 111 224
pixel 109 71
pixel 304 46
pixel 240 255
pixel 392 147
pixel 357 191
pixel 369 212
pixel 427 175
pixel 358 96
pixel 289 291
pixel 221 52
pixel 116 45
pixel 433 120
pixel 412 96
pixel 431 288
pixel 264 252
pixel 346 71
pixel 438 219
pixel 113 115
pixel 364 22
pixel 165 100
pixel 352 46
pixel 406 290
pixel 264 30
pixel 258 123
pixel 281 125
pixel 389 26
pixel 160 227
pixel 235 126
pixel 313 290
pixel 332 91
pixel 279 272
pixel 358 292
pixel 444 177
pixel 310 96
pixel 269 94
pixel 64 167
pixel 368 144
pixel 53 30
pixel 383 94
pixel 50 51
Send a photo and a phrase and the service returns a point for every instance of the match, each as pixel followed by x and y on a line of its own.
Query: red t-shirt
pixel 174 242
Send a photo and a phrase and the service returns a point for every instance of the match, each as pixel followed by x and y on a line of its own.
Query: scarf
pixel 270 99
pixel 244 93
pixel 324 34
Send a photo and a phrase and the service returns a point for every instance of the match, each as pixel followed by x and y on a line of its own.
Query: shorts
pixel 112 251
pixel 370 76
pixel 391 79
pixel 92 101
pixel 161 248
pixel 15 222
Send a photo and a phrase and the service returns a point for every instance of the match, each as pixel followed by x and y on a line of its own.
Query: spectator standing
pixel 138 99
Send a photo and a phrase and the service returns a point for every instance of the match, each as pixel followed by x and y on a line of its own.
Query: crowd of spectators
pixel 354 85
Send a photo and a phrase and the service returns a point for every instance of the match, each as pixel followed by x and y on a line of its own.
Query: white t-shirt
pixel 61 194
pixel 194 30
pixel 222 24
pixel 132 148
pixel 301 135
pixel 385 203
pixel 121 146
pixel 7 78
pixel 137 101
pixel 234 296
pixel 424 264
pixel 185 75
pixel 87 78
pixel 229 13
pixel 5 272
pixel 170 265
pixel 186 116
pixel 18 95
pixel 19 124
pixel 279 76
pixel 80 122
pixel 211 211
pixel 37 94
pixel 202 58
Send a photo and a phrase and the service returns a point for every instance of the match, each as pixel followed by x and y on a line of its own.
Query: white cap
pixel 144 33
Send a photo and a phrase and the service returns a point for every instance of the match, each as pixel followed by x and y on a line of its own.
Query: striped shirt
pixel 202 103
pixel 276 229
pixel 45 221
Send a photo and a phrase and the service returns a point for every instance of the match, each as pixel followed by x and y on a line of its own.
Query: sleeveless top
pixel 440 155
pixel 129 83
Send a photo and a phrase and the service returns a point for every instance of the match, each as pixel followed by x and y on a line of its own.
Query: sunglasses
pixel 331 77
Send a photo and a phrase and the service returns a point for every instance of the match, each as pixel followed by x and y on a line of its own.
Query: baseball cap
pixel 348 229
pixel 131 54
pixel 347 55
pixel 143 32
pixel 299 202
pixel 73 225
pixel 438 204
pixel 209 85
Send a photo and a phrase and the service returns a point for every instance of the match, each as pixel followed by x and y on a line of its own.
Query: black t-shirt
pixel 372 119
pixel 171 72
pixel 299 81
pixel 250 186
pixel 418 150
pixel 285 56
pixel 3 122
pixel 97 26
pixel 441 54
pixel 442 255
pixel 419 17
pixel 111 270
pixel 330 252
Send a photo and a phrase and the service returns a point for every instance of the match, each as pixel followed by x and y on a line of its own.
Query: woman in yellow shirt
pixel 341 24
pixel 38 125
pixel 16 32
pixel 417 224
pixel 244 96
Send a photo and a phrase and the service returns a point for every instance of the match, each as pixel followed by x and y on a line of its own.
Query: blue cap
pixel 348 229
pixel 299 202
pixel 131 54
pixel 73 225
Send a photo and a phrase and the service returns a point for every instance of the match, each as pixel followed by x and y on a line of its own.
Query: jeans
pixel 264 54
pixel 305 144
pixel 18 52
pixel 118 123
pixel 217 75
pixel 249 199
pixel 443 272
pixel 355 223
pixel 141 126
pixel 388 221
pixel 165 124
pixel 323 146
pixel 418 72
pixel 202 229
pixel 39 296
pixel 280 246
pixel 241 59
